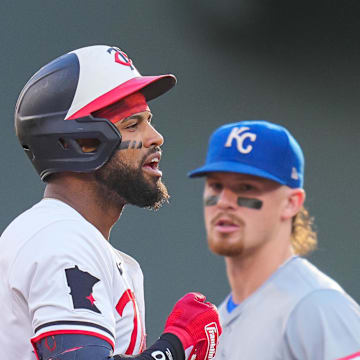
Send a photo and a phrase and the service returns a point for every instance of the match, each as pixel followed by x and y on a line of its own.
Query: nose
pixel 153 137
pixel 227 199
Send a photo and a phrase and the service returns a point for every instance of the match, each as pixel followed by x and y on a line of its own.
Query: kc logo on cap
pixel 240 135
pixel 255 147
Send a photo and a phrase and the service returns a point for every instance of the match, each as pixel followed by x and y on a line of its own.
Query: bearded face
pixel 132 175
pixel 125 181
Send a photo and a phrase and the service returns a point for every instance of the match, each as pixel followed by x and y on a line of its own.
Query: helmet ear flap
pixel 28 152
pixel 54 145
pixel 50 141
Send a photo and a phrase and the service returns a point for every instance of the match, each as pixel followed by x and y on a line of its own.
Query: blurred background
pixel 292 62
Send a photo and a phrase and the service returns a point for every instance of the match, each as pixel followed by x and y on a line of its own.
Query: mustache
pixel 234 219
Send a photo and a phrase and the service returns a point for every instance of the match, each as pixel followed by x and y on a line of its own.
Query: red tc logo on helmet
pixel 120 57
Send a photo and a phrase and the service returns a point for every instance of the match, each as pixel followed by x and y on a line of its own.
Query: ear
pixel 294 201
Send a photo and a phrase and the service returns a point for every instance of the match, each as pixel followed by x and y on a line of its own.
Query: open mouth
pixel 151 165
pixel 226 225
pixel 154 163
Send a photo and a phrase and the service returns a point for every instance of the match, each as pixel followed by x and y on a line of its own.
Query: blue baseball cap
pixel 255 147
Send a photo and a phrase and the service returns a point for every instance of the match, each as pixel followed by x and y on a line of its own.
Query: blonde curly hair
pixel 303 237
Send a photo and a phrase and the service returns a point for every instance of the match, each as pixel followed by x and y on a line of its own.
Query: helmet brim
pixel 233 167
pixel 150 86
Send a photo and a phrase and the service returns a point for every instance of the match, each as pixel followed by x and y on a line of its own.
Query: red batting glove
pixel 196 323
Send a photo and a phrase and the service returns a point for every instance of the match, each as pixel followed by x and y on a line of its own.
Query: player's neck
pixel 80 195
pixel 247 273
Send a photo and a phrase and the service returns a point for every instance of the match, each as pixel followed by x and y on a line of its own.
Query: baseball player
pixel 280 306
pixel 66 293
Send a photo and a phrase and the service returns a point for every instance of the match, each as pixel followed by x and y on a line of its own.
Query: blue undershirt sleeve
pixel 87 347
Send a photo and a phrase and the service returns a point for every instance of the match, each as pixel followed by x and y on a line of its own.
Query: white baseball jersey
pixel 60 275
pixel 299 313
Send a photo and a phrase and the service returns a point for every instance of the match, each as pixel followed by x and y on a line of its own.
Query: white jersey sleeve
pixel 66 280
pixel 324 325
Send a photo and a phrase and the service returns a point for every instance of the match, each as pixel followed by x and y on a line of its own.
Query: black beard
pixel 124 184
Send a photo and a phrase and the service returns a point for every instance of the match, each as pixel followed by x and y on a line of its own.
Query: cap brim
pixel 234 167
pixel 150 86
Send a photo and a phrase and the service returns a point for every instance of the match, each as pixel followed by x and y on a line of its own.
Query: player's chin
pixel 159 196
pixel 162 191
pixel 223 247
pixel 153 181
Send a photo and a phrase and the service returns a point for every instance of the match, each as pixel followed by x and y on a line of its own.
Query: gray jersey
pixel 298 313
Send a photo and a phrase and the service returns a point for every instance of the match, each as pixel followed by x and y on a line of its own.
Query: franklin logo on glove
pixel 212 334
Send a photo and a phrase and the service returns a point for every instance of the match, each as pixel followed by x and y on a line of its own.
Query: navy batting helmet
pixel 55 107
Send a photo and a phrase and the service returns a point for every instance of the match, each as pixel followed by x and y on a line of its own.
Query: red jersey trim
pixel 353 356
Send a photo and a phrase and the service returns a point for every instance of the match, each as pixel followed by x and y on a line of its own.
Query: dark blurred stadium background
pixel 292 62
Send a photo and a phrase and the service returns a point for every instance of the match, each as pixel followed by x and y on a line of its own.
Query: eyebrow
pixel 137 117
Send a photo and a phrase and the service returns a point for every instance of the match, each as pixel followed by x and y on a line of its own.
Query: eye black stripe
pixel 250 203
pixel 211 200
